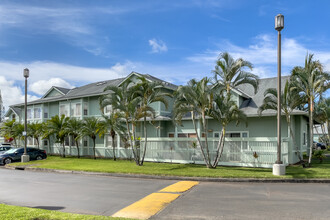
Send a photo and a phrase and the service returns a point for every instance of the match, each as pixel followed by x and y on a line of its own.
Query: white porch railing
pixel 250 152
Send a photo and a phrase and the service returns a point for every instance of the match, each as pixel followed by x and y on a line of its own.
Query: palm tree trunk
pixel 77 145
pixel 130 139
pixel 199 141
pixel 206 143
pixel 37 139
pixel 94 148
pixel 310 131
pixel 145 140
pixel 63 144
pixel 113 147
pixel 137 150
pixel 220 147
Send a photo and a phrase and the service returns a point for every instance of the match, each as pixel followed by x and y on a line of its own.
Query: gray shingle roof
pixel 63 90
pixel 250 106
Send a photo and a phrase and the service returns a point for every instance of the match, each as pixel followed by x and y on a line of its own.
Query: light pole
pixel 25 157
pixel 279 167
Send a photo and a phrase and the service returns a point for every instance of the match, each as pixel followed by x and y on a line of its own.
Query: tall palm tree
pixel 114 124
pixel 195 98
pixel 310 82
pixel 290 100
pixel 18 132
pixel 230 73
pixel 150 92
pixel 73 128
pixel 91 128
pixel 122 100
pixel 35 130
pixel 57 126
pixel 224 111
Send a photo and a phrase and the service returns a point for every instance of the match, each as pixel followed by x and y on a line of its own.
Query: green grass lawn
pixel 9 212
pixel 164 169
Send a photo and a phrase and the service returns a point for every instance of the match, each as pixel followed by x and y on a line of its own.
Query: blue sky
pixel 72 43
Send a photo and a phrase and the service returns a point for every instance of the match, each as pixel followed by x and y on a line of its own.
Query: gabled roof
pixel 15 110
pixel 250 106
pixel 151 79
pixel 60 90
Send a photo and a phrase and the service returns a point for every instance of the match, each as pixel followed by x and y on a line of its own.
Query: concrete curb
pixel 201 179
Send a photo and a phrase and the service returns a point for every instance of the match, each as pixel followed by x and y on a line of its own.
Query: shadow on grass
pixel 53 208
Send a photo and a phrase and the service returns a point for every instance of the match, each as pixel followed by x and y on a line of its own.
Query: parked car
pixel 15 154
pixel 319 146
pixel 4 148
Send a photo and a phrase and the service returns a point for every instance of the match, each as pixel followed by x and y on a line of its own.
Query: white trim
pixel 132 73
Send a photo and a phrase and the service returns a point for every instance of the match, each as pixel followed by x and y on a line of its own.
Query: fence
pixel 251 152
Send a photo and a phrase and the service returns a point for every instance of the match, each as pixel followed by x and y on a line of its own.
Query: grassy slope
pixel 122 166
pixel 9 212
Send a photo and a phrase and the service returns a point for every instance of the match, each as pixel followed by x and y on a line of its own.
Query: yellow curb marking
pixel 179 187
pixel 147 207
pixel 153 203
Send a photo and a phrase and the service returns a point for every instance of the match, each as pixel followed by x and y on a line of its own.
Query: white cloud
pixel 11 93
pixel 42 86
pixel 263 55
pixel 157 46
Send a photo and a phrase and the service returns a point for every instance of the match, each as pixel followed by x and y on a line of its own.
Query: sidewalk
pixel 202 179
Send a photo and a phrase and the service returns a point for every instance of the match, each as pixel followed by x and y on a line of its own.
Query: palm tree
pixel 290 100
pixel 224 111
pixel 195 98
pixel 310 82
pixel 18 129
pixel 122 100
pixel 35 130
pixel 150 92
pixel 57 126
pixel 91 128
pixel 114 123
pixel 7 130
pixel 230 73
pixel 73 128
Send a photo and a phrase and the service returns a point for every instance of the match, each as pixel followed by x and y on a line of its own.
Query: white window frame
pixel 31 114
pixel 74 109
pixel 34 112
pixel 65 106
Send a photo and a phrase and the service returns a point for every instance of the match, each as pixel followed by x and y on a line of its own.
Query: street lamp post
pixel 279 167
pixel 25 157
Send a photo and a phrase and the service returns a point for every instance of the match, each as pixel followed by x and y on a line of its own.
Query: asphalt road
pixel 251 201
pixel 74 193
pixel 107 195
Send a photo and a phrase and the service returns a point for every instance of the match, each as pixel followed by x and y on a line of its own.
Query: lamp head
pixel 279 22
pixel 26 72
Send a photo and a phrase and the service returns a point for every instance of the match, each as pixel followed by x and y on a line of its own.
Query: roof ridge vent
pixel 101 83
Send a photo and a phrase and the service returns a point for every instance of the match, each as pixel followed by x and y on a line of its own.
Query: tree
pixel 195 98
pixel 322 114
pixel 290 100
pixel 310 82
pixel 35 130
pixel 230 73
pixel 224 111
pixel 57 126
pixel 7 130
pixel 150 92
pixel 112 123
pixel 73 128
pixel 122 99
pixel 91 128
pixel 18 130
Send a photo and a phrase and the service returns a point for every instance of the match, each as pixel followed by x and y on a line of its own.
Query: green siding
pixel 53 93
pixel 94 106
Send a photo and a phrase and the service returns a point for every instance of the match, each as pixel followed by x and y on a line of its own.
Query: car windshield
pixel 11 151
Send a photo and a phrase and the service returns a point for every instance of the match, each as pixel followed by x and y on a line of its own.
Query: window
pixel 108 109
pixel 45 112
pixel 76 109
pixel 45 142
pixel 171 135
pixel 67 141
pixel 37 112
pixel 304 138
pixel 233 134
pixel 29 141
pixel 85 108
pixel 73 142
pixel 182 135
pixel 85 142
pixel 13 117
pixel 29 113
pixel 64 110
